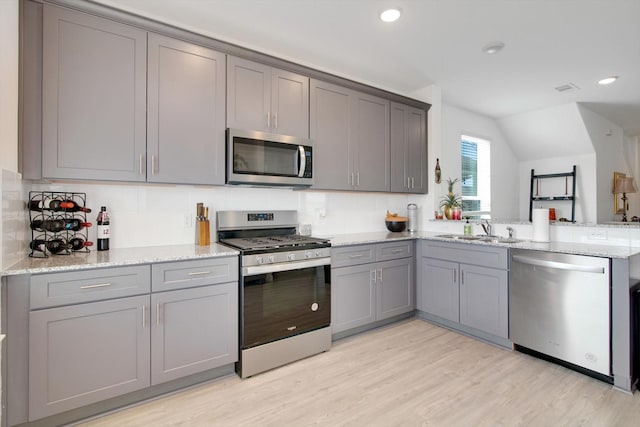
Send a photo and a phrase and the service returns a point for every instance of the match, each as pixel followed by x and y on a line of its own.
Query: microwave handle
pixel 303 161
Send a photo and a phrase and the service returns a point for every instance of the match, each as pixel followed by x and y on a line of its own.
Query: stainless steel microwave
pixel 263 159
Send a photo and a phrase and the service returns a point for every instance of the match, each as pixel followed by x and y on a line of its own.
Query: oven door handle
pixel 276 268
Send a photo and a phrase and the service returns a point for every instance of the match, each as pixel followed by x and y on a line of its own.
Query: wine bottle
pixel 57 245
pixel 438 173
pixel 103 229
pixel 78 243
pixel 57 225
pixel 41 205
pixel 71 206
pixel 37 245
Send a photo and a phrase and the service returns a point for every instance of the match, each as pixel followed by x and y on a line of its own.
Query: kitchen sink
pixel 488 239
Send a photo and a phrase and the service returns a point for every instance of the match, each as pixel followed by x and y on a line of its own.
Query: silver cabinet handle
pixel 275 120
pixel 268 120
pixel 157 314
pixel 380 275
pixel 144 316
pixel 352 181
pixel 140 160
pixel 153 164
pixel 198 273
pixel 454 276
pixel 357 179
pixel 97 285
pixel 557 265
pixel 462 277
pixel 413 183
pixel 372 274
pixel 408 182
pixel 356 256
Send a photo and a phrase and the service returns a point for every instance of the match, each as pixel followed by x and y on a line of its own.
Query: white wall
pixel 504 165
pixel 607 139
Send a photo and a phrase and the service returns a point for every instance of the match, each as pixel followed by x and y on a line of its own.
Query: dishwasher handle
pixel 558 265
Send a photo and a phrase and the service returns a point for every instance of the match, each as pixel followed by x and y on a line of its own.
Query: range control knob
pixel 308 255
pixel 259 260
pixel 318 253
pixel 291 257
pixel 272 259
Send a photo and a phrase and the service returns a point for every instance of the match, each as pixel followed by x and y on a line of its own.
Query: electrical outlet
pixel 598 235
pixel 188 220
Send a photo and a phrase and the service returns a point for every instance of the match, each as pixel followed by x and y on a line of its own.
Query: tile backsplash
pixel 15 219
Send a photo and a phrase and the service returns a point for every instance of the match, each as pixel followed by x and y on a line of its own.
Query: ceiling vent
pixel 567 87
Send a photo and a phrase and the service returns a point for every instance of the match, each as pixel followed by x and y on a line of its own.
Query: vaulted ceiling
pixel 548 43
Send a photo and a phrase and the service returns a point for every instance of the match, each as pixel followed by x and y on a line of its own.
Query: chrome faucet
pixel 486 226
pixel 510 230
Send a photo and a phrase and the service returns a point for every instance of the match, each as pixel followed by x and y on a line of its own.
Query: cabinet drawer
pixel 394 250
pixel 483 255
pixel 55 289
pixel 187 274
pixel 352 255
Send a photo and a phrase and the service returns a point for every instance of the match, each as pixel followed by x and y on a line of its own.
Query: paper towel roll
pixel 540 225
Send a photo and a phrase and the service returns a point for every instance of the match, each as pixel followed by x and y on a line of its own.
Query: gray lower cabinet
pixel 350 131
pixel 193 330
pixel 93 97
pixel 85 353
pixel 371 283
pixel 185 112
pixel 408 149
pixel 465 286
pixel 96 334
pixel 267 99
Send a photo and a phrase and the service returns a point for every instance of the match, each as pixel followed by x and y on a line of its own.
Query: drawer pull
pixel 98 285
pixel 199 273
pixel 397 251
pixel 356 256
pixel 144 316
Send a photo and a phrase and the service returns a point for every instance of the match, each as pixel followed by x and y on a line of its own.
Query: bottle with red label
pixel 103 229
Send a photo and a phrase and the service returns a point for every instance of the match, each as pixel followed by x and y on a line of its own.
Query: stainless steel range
pixel 285 289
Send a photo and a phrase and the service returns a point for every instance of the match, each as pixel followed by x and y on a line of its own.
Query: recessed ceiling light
pixel 390 15
pixel 608 80
pixel 493 47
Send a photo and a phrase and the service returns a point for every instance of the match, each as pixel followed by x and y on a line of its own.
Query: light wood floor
pixel 407 374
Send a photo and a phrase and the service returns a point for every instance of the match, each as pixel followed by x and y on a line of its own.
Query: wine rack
pixel 44 213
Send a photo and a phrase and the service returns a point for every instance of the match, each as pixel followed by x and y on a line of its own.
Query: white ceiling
pixel 548 43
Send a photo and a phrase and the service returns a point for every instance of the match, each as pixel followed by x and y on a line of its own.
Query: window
pixel 476 176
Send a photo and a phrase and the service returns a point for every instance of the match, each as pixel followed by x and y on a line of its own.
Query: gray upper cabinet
pixel 266 99
pixel 351 134
pixel 94 97
pixel 330 130
pixel 185 113
pixel 408 149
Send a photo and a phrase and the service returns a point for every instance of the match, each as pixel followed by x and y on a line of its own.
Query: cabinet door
pixel 371 135
pixel 289 103
pixel 395 293
pixel 94 97
pixel 352 297
pixel 85 353
pixel 440 294
pixel 248 95
pixel 484 299
pixel 416 149
pixel 330 130
pixel 193 330
pixel 408 149
pixel 185 113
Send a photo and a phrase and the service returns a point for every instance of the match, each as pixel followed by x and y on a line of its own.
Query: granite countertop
pixel 577 248
pixel 117 257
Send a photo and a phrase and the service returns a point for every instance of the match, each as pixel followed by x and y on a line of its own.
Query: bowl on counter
pixel 396 226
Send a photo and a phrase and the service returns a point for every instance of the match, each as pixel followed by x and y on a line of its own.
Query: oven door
pixel 288 300
pixel 258 158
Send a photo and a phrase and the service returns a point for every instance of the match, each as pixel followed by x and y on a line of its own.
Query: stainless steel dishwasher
pixel 559 305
